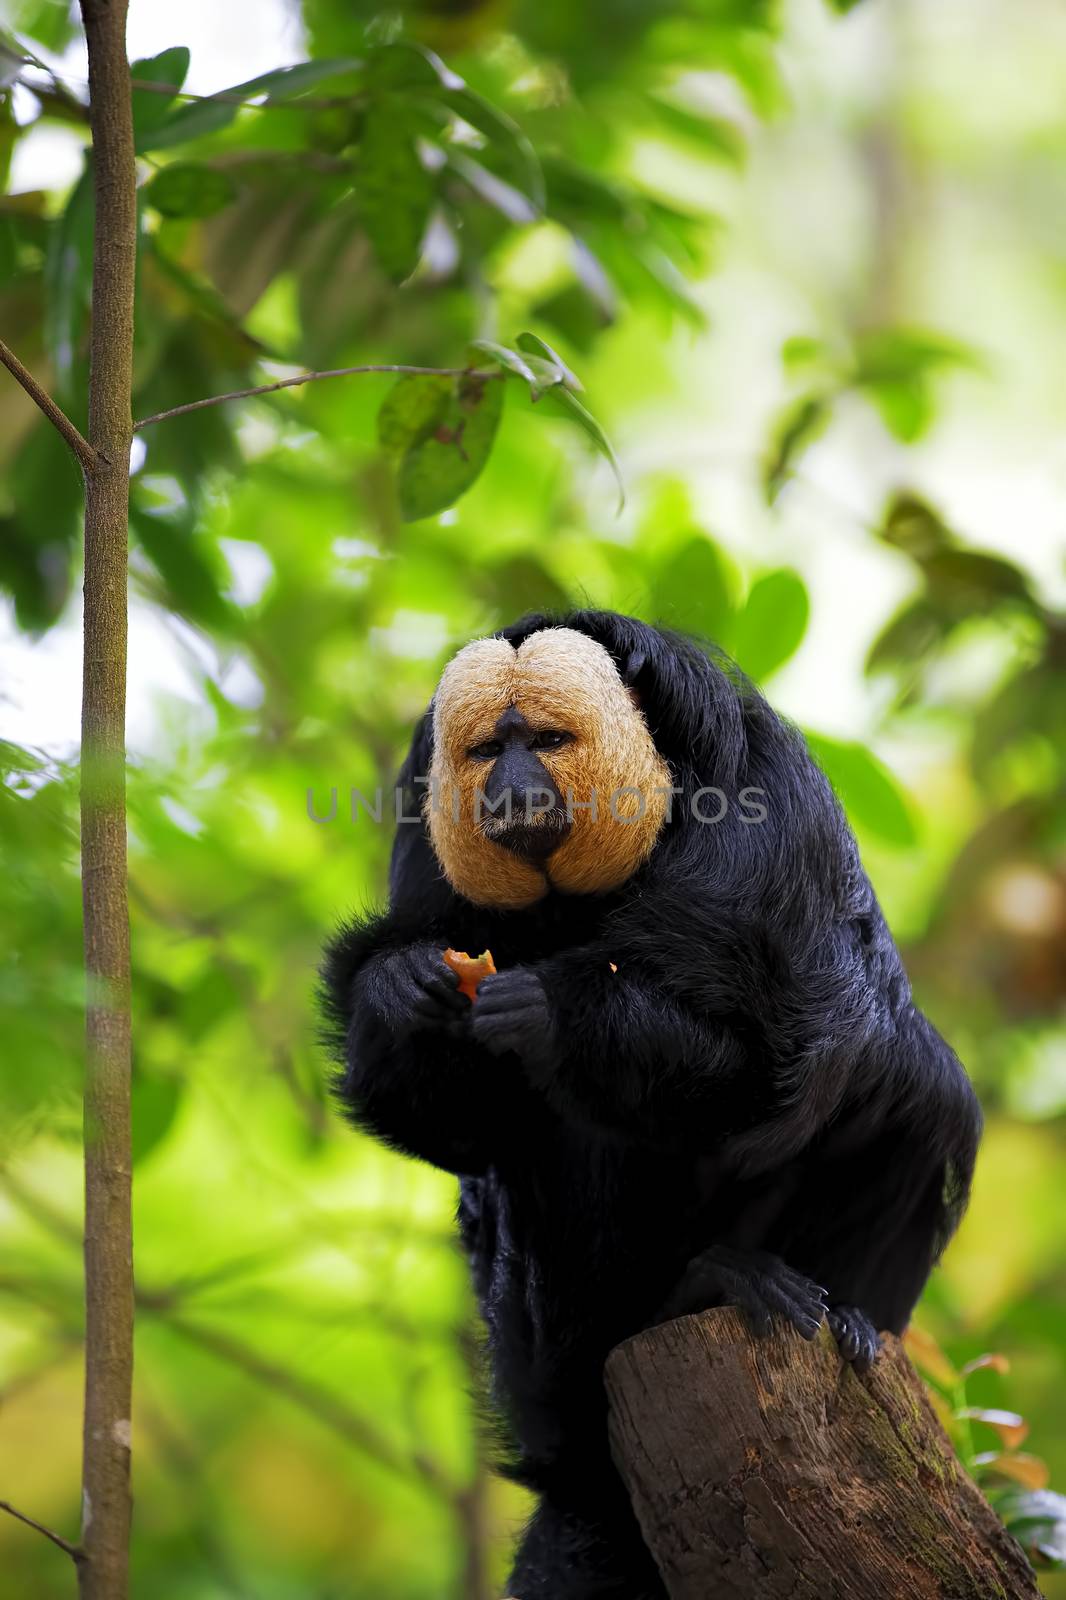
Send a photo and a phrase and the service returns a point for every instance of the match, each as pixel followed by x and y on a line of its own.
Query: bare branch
pixel 104 1574
pixel 72 1550
pixel 58 418
pixel 312 377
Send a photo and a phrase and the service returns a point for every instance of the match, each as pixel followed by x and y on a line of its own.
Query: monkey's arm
pixel 615 1049
pixel 409 1071
pixel 881 1192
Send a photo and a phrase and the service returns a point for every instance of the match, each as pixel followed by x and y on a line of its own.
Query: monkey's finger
pixel 446 973
pixel 403 995
pixel 869 1350
pixel 856 1337
pixel 799 1285
pixel 530 1019
pixel 804 1314
pixel 516 980
pixel 847 1338
pixel 493 1002
pixel 422 962
pixel 445 994
pixel 430 1009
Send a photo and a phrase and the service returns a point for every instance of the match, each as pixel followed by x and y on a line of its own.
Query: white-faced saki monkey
pixel 698 1076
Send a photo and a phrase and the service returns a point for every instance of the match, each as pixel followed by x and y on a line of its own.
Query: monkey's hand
pixel 762 1285
pixel 857 1339
pixel 413 990
pixel 512 1013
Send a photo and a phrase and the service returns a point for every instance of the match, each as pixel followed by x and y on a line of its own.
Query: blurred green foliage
pixel 613 177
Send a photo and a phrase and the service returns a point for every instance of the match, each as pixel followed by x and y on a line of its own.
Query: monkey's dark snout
pixel 521 809
pixel 535 839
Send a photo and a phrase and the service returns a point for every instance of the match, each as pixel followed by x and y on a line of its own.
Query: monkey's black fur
pixel 750 1109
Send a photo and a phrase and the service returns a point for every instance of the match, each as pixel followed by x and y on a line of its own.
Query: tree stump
pixel 764 1468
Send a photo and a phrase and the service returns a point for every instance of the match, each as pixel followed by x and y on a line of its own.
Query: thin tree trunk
pixel 765 1468
pixel 106 1503
pixel 472 1501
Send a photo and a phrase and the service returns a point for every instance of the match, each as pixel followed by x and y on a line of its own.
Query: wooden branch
pixel 312 377
pixel 72 1550
pixel 57 417
pixel 761 1469
pixel 104 1573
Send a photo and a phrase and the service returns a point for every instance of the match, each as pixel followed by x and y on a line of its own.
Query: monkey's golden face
pixel 544 774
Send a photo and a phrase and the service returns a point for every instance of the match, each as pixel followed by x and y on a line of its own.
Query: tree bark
pixel 106 1504
pixel 765 1468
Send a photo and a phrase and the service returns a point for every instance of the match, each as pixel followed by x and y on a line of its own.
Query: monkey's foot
pixel 762 1285
pixel 857 1338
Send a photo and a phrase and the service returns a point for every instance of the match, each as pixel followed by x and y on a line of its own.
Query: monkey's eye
pixel 487 750
pixel 550 739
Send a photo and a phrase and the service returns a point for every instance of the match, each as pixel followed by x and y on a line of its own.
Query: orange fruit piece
pixel 471 969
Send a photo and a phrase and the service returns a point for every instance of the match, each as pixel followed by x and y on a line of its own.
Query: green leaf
pixel 866 789
pixel 693 589
pixel 546 375
pixel 403 64
pixel 281 83
pixel 9 135
pixel 68 272
pixel 521 583
pixel 907 409
pixel 1037 1519
pixel 503 197
pixel 910 636
pixel 844 6
pixel 595 283
pixel 154 1105
pixel 801 353
pixel 571 406
pixel 584 197
pixel 189 565
pixel 898 355
pixel 506 136
pixel 506 358
pixel 711 135
pixel 11 58
pixel 896 365
pixel 394 190
pixel 190 189
pixel 210 115
pixel 413 407
pixel 190 121
pixel 49 22
pixel 536 346
pixel 772 623
pixel 970 582
pixel 39 533
pixel 666 276
pixel 440 431
pixel 1028 708
pixel 797 428
pixel 151 108
pixel 911 525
